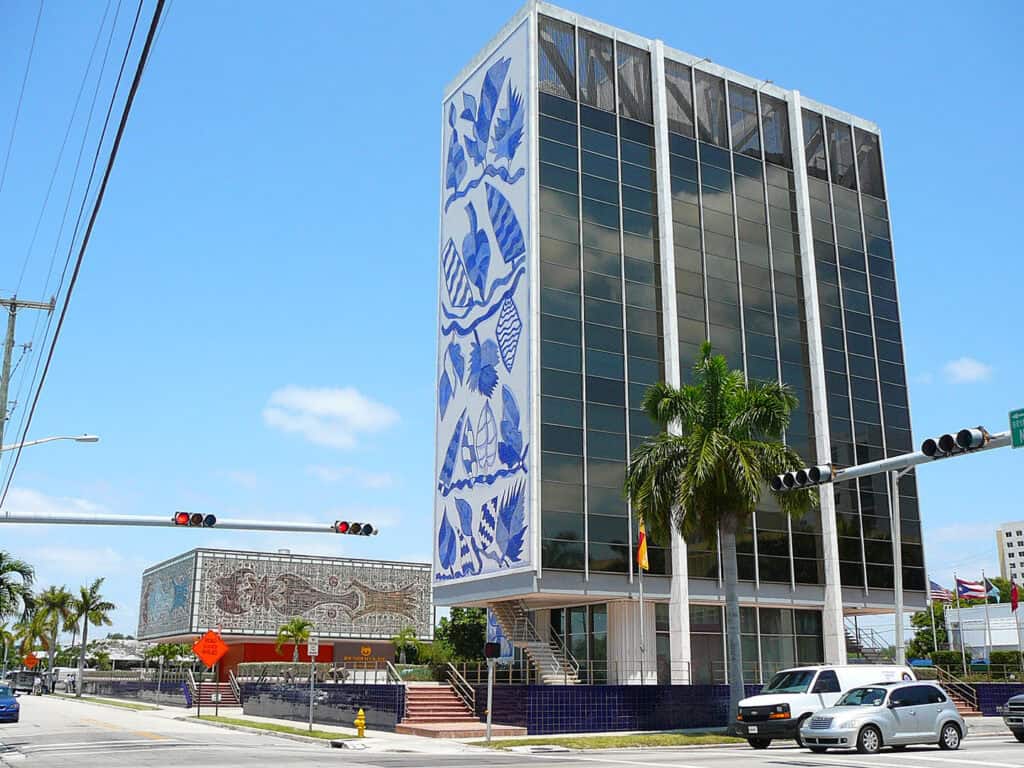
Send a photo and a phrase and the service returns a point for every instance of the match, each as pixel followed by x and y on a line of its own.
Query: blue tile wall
pixel 336 703
pixel 547 709
pixel 992 695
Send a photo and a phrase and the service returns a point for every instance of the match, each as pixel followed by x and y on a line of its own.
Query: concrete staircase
pixel 434 703
pixel 227 695
pixel 867 644
pixel 963 706
pixel 554 665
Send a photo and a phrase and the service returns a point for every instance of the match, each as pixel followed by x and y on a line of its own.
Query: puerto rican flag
pixel 970 590
pixel 940 593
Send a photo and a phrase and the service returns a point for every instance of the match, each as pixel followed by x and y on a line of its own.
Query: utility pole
pixel 13 304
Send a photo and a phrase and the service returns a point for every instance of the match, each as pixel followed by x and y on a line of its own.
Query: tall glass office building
pixel 607 204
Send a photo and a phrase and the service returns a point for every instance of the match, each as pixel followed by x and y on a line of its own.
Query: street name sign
pixel 210 648
pixel 1017 427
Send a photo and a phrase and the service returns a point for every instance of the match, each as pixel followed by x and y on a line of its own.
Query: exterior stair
pixel 427 703
pixel 867 644
pixel 227 694
pixel 964 707
pixel 553 663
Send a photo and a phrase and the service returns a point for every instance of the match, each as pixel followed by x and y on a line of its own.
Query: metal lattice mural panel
pixel 253 594
pixel 165 607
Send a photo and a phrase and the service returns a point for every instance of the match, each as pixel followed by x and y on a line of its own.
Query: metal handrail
pixel 560 649
pixel 959 687
pixel 867 638
pixel 392 674
pixel 462 688
pixel 235 687
pixel 192 687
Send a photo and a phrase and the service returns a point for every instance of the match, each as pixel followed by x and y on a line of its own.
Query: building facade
pixel 607 204
pixel 356 606
pixel 1010 546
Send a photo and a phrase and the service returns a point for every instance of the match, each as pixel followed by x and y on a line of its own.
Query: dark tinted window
pixel 775 125
pixel 827 682
pixel 746 137
pixel 597 75
pixel 840 147
pixel 935 696
pixel 814 145
pixel 634 83
pixel 869 163
pixel 911 696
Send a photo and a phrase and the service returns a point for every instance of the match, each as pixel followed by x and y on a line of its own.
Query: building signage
pixel 1017 428
pixel 483 512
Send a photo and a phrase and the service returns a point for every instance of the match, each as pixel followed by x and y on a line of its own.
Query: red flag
pixel 1014 597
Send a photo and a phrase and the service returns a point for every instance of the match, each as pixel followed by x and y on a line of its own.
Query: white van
pixel 795 694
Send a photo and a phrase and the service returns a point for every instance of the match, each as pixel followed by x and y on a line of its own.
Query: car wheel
pixel 818 750
pixel 949 738
pixel 759 743
pixel 799 725
pixel 869 740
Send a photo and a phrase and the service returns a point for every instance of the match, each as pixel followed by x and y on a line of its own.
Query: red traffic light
pixel 353 528
pixel 194 520
pixel 181 518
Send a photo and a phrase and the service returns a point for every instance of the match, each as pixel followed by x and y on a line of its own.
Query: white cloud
pixel 369 480
pixel 242 478
pixel 327 416
pixel 967 369
pixel 27 501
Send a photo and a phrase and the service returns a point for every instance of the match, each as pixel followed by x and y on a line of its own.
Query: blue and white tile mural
pixel 482 519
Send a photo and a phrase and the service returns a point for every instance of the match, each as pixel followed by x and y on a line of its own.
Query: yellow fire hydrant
pixel 360 724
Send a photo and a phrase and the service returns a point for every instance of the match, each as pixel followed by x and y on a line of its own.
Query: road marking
pixel 578 758
pixel 839 759
pixel 151 735
pixel 958 760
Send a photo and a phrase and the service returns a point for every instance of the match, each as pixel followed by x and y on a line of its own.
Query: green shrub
pixel 1006 659
pixel 949 659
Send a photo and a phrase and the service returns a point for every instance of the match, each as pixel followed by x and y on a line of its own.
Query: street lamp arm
pixel 27 443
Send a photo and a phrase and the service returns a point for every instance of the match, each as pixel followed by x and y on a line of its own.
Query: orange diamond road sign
pixel 210 648
pixel 31 660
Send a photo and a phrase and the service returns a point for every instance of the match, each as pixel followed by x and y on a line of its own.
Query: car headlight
pixel 779 712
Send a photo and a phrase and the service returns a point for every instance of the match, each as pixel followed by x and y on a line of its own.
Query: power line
pixel 63 146
pixel 21 97
pixel 67 209
pixel 140 67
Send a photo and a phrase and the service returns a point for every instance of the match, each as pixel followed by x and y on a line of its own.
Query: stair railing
pixel 465 692
pixel 565 658
pixel 235 687
pixel 867 641
pixel 958 687
pixel 392 675
pixel 192 687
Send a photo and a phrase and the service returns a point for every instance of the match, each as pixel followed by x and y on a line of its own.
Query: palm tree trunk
pixel 733 646
pixel 295 652
pixel 81 661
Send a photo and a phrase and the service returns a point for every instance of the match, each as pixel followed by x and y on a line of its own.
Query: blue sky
pixel 253 330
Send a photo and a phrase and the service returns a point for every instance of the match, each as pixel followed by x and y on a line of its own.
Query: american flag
pixel 940 593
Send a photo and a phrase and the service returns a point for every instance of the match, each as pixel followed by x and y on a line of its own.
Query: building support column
pixel 679 607
pixel 624 659
pixel 833 634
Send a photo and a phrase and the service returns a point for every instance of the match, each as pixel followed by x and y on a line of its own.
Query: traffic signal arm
pixel 157 521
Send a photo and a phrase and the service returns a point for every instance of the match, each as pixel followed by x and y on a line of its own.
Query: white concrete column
pixel 624 643
pixel 679 607
pixel 833 635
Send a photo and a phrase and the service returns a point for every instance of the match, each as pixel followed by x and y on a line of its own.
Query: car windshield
pixel 862 697
pixel 795 681
pixel 5 692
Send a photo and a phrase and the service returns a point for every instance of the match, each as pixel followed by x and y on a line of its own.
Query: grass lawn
pixel 113 703
pixel 616 742
pixel 275 727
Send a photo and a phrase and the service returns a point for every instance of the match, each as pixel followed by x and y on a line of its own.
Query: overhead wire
pixel 21 97
pixel 97 204
pixel 40 341
pixel 63 146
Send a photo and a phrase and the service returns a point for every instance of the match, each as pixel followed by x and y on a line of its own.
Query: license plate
pixel 751 729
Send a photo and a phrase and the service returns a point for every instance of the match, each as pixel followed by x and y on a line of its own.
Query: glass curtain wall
pixel 773 639
pixel 601 340
pixel 584 630
pixel 738 282
pixel 864 374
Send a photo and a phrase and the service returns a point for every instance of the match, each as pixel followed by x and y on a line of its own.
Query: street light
pixel 27 443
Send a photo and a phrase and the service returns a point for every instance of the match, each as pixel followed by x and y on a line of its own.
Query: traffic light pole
pixel 158 521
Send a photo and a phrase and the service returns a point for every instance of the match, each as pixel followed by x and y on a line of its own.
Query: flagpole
pixel 1016 618
pixel 935 637
pixel 642 622
pixel 960 623
pixel 988 630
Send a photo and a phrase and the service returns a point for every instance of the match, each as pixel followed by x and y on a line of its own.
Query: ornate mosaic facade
pixel 166 604
pixel 249 593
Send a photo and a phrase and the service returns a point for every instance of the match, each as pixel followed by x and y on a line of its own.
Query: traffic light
pixel 801 478
pixel 354 529
pixel 492 650
pixel 194 520
pixel 950 445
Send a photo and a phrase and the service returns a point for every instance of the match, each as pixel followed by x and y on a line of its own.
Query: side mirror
pixel 893 703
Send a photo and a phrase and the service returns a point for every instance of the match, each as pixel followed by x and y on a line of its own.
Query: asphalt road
pixel 54 733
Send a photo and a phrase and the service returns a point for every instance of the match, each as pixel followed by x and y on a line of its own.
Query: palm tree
pixel 294 631
pixel 16 577
pixel 55 604
pixel 705 472
pixel 7 639
pixel 90 608
pixel 32 631
pixel 403 641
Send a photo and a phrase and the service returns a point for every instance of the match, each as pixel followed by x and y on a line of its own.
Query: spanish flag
pixel 641 549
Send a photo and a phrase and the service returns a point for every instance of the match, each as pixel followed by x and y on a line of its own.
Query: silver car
pixel 886 715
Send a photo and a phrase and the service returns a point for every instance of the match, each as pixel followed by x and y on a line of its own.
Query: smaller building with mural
pixel 355 606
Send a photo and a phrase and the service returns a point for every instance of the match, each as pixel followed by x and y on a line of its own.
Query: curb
pixel 262 732
pixel 108 706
